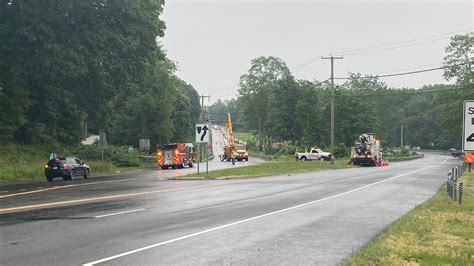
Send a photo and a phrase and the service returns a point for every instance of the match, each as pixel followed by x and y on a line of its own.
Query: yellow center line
pixel 68 186
pixel 33 191
pixel 59 203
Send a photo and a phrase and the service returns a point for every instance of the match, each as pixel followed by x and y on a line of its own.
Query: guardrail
pixel 456 191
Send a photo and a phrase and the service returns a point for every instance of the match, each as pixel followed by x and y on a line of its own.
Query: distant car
pixel 455 153
pixel 67 168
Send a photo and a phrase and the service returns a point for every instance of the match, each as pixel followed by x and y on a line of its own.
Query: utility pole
pixel 331 57
pixel 85 125
pixel 204 114
pixel 401 136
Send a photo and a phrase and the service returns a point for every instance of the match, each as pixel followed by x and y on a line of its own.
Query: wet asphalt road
pixel 300 219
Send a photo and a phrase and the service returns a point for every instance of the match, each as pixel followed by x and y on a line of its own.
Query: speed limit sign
pixel 468 129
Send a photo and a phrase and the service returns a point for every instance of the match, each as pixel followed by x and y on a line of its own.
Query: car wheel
pixel 322 159
pixel 87 174
pixel 49 178
pixel 190 165
pixel 69 177
pixel 164 167
pixel 303 159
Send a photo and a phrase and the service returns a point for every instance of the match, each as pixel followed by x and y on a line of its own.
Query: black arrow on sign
pixel 205 129
pixel 470 138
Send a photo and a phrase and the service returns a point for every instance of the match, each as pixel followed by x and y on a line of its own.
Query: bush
pixel 119 156
pixel 341 150
pixel 402 152
pixel 87 152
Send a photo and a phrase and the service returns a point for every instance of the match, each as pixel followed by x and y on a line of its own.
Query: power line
pixel 367 49
pixel 403 93
pixel 404 73
pixel 301 66
pixel 392 48
pixel 431 38
pixel 411 68
pixel 396 74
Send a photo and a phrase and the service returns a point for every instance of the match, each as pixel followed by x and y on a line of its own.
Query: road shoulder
pixel 437 232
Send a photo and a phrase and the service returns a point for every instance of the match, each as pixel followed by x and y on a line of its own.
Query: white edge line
pixel 118 213
pixel 251 219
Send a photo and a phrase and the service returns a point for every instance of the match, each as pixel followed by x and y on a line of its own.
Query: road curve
pixel 308 218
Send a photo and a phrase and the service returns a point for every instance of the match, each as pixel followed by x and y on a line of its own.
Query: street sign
pixel 144 145
pixel 103 141
pixel 202 133
pixel 468 129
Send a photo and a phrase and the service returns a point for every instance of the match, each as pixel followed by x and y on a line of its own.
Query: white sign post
pixel 203 131
pixel 468 129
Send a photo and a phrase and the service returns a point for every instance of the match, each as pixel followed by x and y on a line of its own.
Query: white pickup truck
pixel 313 154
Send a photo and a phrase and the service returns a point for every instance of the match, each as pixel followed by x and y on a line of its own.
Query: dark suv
pixel 67 168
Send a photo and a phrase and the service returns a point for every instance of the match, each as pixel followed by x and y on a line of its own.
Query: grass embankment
pixel 276 167
pixel 437 232
pixel 26 162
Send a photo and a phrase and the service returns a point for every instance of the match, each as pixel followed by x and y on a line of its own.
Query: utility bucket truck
pixel 232 147
pixel 367 151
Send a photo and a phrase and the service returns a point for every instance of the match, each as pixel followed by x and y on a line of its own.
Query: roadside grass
pixel 276 167
pixel 21 162
pixel 437 232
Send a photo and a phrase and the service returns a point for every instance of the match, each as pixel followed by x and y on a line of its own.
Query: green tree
pixel 282 124
pixel 145 110
pixel 459 59
pixel 309 115
pixel 256 90
pixel 73 56
pixel 14 102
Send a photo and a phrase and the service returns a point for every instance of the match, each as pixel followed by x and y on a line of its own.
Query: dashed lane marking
pixel 118 213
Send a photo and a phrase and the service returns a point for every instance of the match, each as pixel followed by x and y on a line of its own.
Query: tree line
pixel 67 63
pixel 277 107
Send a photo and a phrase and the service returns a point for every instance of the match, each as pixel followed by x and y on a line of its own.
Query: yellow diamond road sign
pixel 468 129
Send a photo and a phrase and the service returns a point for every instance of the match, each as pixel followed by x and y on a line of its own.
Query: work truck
pixel 368 151
pixel 175 155
pixel 233 148
pixel 313 154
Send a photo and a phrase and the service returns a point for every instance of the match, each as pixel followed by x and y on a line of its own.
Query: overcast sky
pixel 214 41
